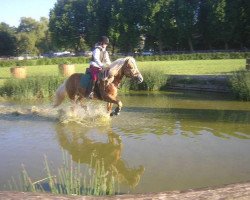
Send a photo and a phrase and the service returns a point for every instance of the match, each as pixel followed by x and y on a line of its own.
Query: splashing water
pixel 90 114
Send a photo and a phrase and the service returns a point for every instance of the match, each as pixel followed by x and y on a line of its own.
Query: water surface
pixel 161 141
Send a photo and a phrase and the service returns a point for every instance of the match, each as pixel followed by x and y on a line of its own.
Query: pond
pixel 159 142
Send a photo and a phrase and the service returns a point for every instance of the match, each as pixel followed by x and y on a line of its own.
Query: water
pixel 161 141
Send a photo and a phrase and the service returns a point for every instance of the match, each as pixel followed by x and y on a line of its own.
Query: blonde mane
pixel 115 66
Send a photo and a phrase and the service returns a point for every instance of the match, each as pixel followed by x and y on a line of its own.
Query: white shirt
pixel 96 56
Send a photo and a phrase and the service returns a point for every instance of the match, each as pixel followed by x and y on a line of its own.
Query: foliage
pixel 7 40
pixel 31 88
pixel 44 61
pixel 164 24
pixel 71 179
pixel 81 60
pixel 152 80
pixel 133 26
pixel 240 85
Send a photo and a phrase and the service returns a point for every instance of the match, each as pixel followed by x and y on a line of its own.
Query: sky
pixel 11 11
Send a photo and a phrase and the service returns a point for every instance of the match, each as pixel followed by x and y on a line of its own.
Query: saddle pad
pixel 85 80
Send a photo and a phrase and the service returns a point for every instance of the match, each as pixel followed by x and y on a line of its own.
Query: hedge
pixel 80 60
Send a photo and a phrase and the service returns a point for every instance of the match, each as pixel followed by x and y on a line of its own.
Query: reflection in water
pixel 79 142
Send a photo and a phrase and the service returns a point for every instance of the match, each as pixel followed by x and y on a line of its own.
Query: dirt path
pixel 240 191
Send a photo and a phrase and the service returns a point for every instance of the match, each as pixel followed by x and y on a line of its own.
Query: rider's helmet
pixel 104 40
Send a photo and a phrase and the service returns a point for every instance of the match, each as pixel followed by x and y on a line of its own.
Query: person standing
pixel 100 59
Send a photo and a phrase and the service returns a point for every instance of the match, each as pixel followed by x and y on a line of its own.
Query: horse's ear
pixel 126 61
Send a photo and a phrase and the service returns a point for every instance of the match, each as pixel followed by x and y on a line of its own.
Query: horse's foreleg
pixel 117 109
pixel 112 100
pixel 109 107
pixel 109 95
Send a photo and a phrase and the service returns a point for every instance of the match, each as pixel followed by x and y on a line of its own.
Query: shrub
pixel 31 88
pixel 152 81
pixel 80 60
pixel 240 85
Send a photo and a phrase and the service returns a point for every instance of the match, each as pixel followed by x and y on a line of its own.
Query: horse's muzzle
pixel 139 78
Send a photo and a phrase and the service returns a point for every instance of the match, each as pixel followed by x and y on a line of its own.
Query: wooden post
pixel 18 72
pixel 66 69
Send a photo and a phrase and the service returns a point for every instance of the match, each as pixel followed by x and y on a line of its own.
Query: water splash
pixel 91 114
pixel 12 112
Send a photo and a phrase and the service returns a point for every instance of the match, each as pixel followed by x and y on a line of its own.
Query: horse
pixel 106 87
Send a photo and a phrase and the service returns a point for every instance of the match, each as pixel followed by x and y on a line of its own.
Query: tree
pixel 162 25
pixel 7 40
pixel 186 16
pixel 68 24
pixel 33 36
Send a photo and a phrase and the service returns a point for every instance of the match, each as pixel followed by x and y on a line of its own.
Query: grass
pixel 42 81
pixel 71 179
pixel 31 88
pixel 195 67
pixel 186 67
pixel 41 70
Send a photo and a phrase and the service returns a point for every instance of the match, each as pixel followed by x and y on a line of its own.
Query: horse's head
pixel 130 70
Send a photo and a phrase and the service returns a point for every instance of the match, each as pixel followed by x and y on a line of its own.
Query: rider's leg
pixel 91 94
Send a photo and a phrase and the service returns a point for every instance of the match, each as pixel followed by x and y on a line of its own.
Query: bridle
pixel 129 72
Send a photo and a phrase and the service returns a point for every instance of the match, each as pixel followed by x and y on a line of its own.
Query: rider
pixel 100 58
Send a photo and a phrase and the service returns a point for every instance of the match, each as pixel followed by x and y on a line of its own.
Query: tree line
pixel 134 25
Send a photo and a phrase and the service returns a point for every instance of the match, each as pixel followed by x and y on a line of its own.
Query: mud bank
pixel 239 191
pixel 209 83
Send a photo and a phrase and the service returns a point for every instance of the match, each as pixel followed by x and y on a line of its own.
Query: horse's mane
pixel 115 66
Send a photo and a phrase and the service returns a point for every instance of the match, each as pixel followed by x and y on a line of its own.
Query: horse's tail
pixel 60 94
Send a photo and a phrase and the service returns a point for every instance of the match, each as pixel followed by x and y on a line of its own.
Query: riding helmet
pixel 104 40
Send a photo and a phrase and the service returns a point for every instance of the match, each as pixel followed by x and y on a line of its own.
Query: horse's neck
pixel 116 68
pixel 118 79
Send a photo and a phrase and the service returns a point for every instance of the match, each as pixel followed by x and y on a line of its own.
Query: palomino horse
pixel 107 85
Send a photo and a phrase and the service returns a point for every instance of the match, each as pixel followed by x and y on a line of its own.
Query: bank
pixel 239 191
pixel 208 83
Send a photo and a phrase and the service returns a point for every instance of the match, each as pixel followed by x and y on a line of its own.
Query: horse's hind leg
pixel 73 105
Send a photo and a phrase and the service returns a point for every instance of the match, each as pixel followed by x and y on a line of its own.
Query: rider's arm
pixel 106 58
pixel 96 56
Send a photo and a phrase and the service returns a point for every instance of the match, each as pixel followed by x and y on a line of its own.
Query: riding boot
pixel 91 94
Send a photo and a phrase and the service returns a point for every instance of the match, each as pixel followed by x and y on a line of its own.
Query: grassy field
pixel 195 67
pixel 187 67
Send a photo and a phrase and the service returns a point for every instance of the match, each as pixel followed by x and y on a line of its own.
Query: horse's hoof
pixel 114 113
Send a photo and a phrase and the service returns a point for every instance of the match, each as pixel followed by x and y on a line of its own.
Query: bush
pixel 152 81
pixel 81 60
pixel 31 88
pixel 240 85
pixel 43 61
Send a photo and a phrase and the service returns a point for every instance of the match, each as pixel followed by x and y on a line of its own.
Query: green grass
pixel 31 88
pixel 71 179
pixel 186 67
pixel 41 70
pixel 195 67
